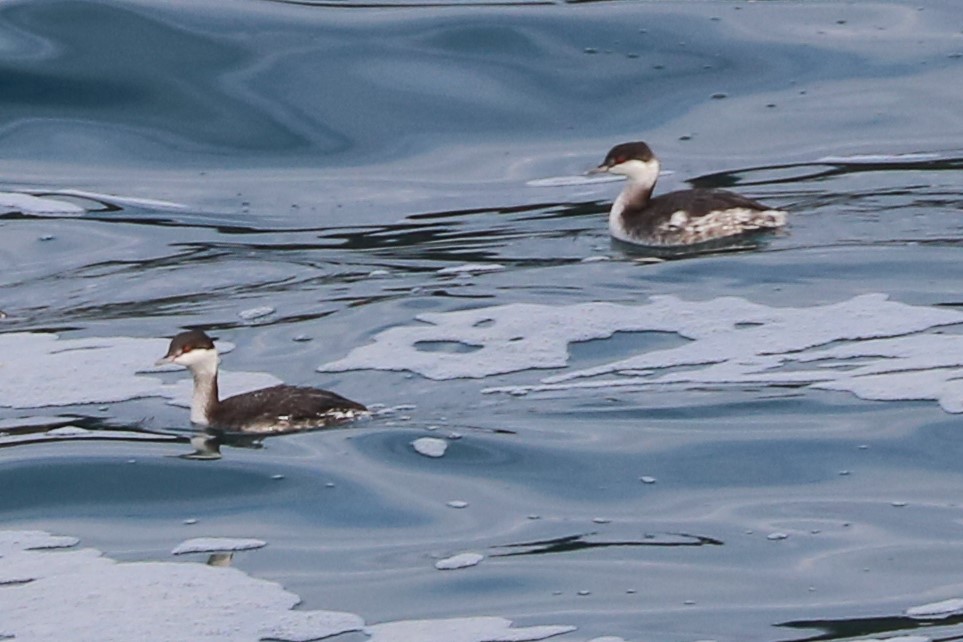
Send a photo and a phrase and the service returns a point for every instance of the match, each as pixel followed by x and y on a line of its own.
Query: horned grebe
pixel 269 410
pixel 686 217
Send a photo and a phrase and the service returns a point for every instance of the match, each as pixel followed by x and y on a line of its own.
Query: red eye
pixel 186 349
pixel 620 159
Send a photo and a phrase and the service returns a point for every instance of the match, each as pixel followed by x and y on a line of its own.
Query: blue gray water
pixel 329 161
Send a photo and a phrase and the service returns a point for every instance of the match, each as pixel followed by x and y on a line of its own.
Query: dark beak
pixel 167 358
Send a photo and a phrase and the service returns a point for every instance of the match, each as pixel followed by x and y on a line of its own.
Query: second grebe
pixel 686 217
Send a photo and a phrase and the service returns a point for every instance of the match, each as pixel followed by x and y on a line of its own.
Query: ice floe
pixel 106 600
pixel 462 560
pixel 937 610
pixel 470 629
pixel 867 345
pixel 259 312
pixel 29 204
pixel 471 268
pixel 430 446
pixel 216 545
pixel 41 369
pixel 110 601
pixel 576 180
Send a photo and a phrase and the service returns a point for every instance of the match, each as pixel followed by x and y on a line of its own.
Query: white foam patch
pixel 872 347
pixel 179 601
pixel 462 560
pixel 28 204
pixel 472 629
pixel 40 369
pixel 430 446
pixel 936 610
pixel 176 601
pixel 217 545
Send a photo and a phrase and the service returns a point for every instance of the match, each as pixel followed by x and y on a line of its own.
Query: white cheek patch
pixel 196 356
pixel 644 172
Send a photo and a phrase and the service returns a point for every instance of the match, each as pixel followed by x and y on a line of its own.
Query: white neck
pixel 642 176
pixel 203 365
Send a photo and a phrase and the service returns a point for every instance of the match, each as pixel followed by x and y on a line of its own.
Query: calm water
pixel 339 163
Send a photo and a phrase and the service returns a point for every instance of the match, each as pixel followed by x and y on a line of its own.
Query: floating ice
pixel 937 610
pixel 879 158
pixel 577 180
pixel 22 423
pixel 68 431
pixel 185 601
pixel 457 503
pixel 175 601
pixel 471 268
pixel 430 446
pixel 216 545
pixel 28 204
pixel 40 369
pixel 872 347
pixel 462 560
pixel 468 629
pixel 117 199
pixel 256 313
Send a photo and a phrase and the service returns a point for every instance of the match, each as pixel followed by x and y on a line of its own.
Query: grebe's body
pixel 276 409
pixel 686 217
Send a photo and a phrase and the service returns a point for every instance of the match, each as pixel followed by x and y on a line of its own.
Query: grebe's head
pixel 190 349
pixel 634 160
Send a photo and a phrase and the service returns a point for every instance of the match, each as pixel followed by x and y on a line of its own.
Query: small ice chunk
pixel 216 545
pixel 471 268
pixel 601 520
pixel 607 638
pixel 430 446
pixel 645 479
pixel 457 503
pixel 190 521
pixel 777 536
pixel 462 560
pixel 256 313
pixel 936 610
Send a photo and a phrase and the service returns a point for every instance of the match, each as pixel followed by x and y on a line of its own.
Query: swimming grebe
pixel 686 217
pixel 269 410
